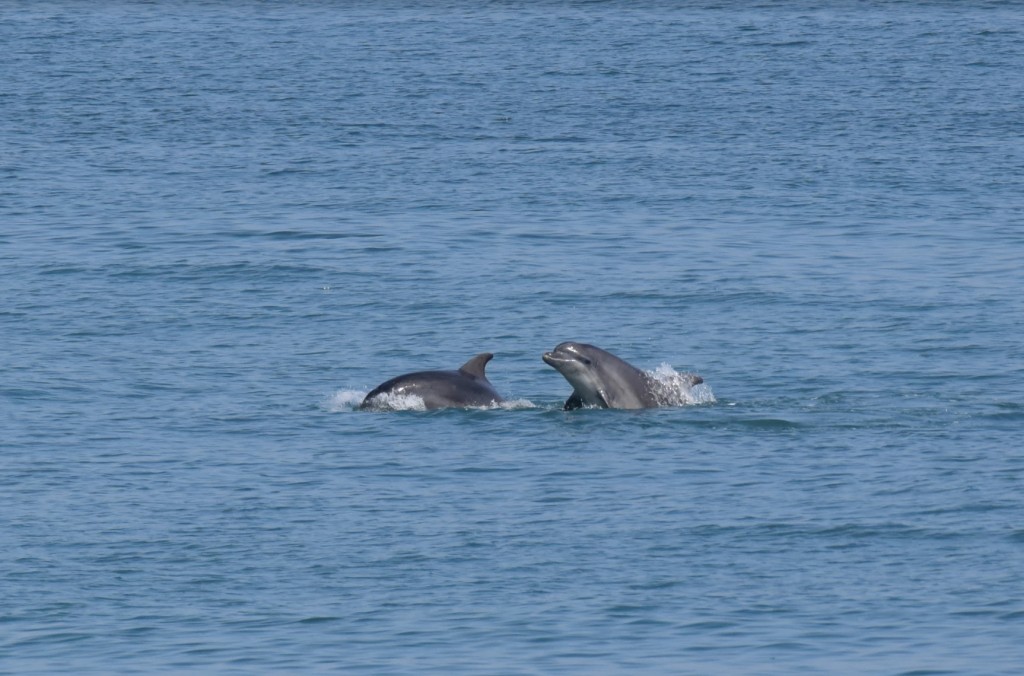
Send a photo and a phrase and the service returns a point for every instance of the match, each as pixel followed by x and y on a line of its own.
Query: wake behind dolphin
pixel 464 388
pixel 600 379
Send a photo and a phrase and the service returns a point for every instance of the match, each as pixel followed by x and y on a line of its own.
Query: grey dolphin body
pixel 601 379
pixel 442 389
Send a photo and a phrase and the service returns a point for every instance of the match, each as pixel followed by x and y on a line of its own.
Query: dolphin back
pixel 463 388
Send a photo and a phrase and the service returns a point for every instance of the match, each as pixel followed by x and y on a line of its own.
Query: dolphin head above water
pixel 572 361
pixel 601 379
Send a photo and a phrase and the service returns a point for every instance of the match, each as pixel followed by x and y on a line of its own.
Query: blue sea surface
pixel 222 224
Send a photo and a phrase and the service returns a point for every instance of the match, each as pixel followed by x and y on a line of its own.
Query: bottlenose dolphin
pixel 599 378
pixel 441 389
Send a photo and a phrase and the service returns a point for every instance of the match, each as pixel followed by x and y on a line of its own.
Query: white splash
pixel 388 401
pixel 515 404
pixel 344 401
pixel 678 389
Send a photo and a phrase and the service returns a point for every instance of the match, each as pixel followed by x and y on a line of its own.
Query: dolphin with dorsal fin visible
pixel 464 388
pixel 600 379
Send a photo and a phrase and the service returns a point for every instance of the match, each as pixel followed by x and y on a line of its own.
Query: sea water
pixel 221 224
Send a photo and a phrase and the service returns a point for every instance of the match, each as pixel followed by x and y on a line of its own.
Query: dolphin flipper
pixel 573 402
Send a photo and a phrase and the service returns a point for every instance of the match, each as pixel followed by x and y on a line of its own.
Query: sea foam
pixel 678 389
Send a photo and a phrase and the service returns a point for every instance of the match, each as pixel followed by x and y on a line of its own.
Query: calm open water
pixel 222 223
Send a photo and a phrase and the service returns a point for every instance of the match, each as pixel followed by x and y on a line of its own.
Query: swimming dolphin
pixel 442 389
pixel 599 378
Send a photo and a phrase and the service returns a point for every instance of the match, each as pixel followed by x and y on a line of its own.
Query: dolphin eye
pixel 585 361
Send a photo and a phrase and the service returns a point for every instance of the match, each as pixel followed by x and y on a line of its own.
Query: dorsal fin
pixel 475 366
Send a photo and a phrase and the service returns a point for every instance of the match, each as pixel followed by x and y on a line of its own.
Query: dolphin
pixel 601 379
pixel 441 389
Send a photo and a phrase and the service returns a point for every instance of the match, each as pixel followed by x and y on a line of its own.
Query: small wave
pixel 679 389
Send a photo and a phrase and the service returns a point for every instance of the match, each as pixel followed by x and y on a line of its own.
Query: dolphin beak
pixel 556 360
pixel 559 358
